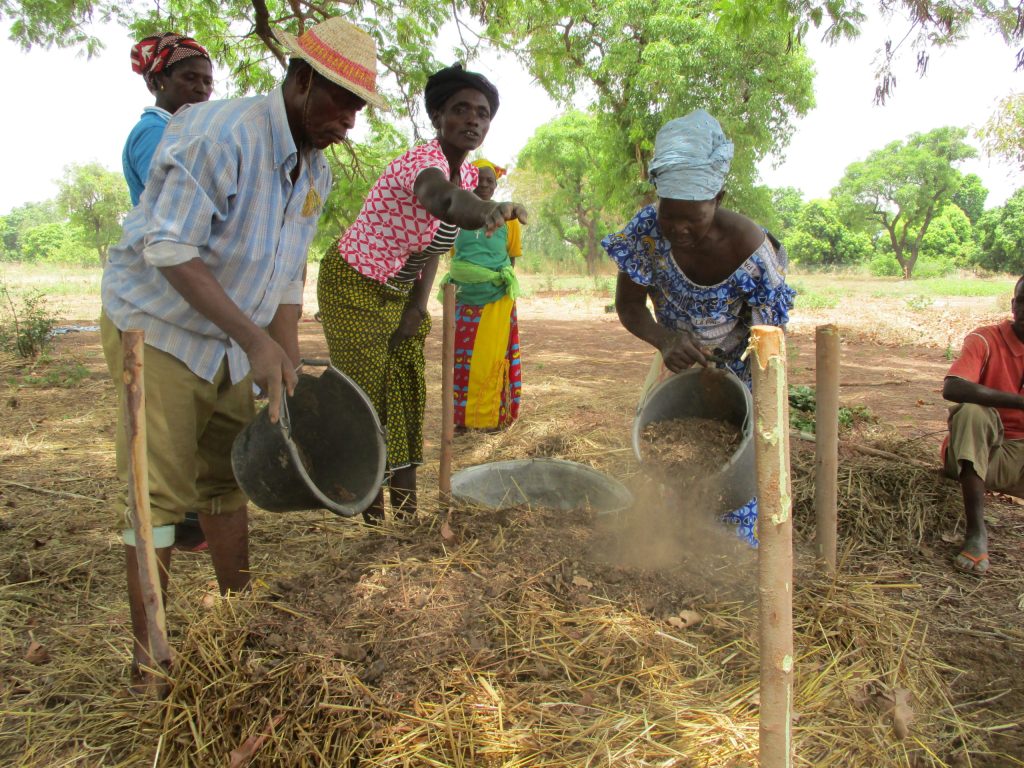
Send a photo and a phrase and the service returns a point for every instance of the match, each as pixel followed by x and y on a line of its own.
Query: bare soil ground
pixel 63 621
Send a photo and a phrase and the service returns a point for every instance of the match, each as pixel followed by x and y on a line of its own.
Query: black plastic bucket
pixel 710 393
pixel 327 450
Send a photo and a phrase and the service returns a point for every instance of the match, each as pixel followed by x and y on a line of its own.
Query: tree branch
pixel 261 25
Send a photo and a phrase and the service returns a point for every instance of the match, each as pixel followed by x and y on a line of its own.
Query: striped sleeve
pixel 193 180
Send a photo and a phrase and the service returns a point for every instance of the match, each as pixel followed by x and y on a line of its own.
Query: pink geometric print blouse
pixel 393 224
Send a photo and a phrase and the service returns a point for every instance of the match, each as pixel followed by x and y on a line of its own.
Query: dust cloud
pixel 674 527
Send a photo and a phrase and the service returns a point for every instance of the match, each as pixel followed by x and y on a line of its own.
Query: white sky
pixel 66 109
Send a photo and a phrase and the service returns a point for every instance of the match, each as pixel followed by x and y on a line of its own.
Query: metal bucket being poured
pixel 327 450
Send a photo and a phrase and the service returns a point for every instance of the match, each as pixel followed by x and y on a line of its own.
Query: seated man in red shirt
pixel 985 447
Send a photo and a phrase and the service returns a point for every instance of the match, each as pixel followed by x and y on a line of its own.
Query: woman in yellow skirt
pixel 488 375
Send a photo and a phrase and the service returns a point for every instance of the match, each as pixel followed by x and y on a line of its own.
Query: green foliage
pixel 902 187
pixel 18 221
pixel 885 265
pixel 570 178
pixel 1001 236
pixel 816 300
pixel 25 323
pixel 970 197
pixel 819 239
pixel 1002 135
pixel 96 201
pixel 918 303
pixel 950 239
pixel 803 405
pixel 47 372
pixel 756 205
pixel 647 61
pixel 787 204
pixel 56 243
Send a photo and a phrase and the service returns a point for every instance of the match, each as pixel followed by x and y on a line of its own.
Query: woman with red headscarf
pixel 178 71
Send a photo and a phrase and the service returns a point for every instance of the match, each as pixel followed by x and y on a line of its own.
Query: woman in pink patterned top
pixel 373 288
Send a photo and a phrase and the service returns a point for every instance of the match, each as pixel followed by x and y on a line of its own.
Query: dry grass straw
pixel 882 502
pixel 396 648
pixel 9 364
pixel 514 643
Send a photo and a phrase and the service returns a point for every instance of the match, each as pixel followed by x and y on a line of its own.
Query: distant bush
pixel 56 243
pixel 885 265
pixel 815 300
pixel 934 267
pixel 26 324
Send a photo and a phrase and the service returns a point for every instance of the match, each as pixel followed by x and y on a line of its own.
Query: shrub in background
pixel 25 323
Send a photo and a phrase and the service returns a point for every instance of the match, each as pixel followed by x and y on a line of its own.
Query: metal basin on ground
pixel 550 483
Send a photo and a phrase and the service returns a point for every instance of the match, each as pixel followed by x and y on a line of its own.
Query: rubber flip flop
pixel 975 560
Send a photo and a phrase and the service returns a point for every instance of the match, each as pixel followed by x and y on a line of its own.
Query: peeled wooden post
pixel 444 474
pixel 826 448
pixel 775 536
pixel 132 342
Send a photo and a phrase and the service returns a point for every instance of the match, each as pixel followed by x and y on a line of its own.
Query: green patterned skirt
pixel 359 315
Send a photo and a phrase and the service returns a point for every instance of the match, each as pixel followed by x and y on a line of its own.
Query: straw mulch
pixel 888 504
pixel 519 638
pixel 513 642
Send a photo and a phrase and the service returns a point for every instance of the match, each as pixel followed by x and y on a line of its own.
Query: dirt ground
pixel 582 374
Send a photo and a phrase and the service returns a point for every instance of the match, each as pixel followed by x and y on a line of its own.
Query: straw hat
pixel 341 52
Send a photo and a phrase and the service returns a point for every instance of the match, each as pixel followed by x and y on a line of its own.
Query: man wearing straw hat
pixel 211 267
pixel 985 446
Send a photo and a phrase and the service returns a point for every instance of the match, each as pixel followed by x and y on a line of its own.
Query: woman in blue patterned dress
pixel 710 273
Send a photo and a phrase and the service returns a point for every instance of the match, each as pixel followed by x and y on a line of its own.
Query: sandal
pixel 979 564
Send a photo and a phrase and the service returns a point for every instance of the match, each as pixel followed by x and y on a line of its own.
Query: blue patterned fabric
pixel 745 520
pixel 719 315
pixel 691 158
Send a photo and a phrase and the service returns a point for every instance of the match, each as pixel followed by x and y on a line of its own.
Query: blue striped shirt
pixel 219 189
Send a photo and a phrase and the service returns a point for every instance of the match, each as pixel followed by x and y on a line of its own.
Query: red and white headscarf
pixel 155 53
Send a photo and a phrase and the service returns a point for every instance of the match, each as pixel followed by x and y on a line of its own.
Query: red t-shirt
pixel 993 356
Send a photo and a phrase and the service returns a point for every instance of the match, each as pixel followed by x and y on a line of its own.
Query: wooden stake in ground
pixel 826 446
pixel 775 535
pixel 444 473
pixel 132 342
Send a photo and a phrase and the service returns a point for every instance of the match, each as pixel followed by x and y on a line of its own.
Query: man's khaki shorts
pixel 976 435
pixel 190 426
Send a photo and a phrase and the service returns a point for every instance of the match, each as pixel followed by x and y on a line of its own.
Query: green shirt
pixel 491 252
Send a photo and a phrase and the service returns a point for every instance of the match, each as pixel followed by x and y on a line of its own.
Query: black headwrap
pixel 444 84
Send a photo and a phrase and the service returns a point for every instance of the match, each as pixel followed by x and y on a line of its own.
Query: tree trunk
pixel 910 261
pixel 591 250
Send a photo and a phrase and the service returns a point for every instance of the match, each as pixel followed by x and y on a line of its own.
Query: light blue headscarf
pixel 691 158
